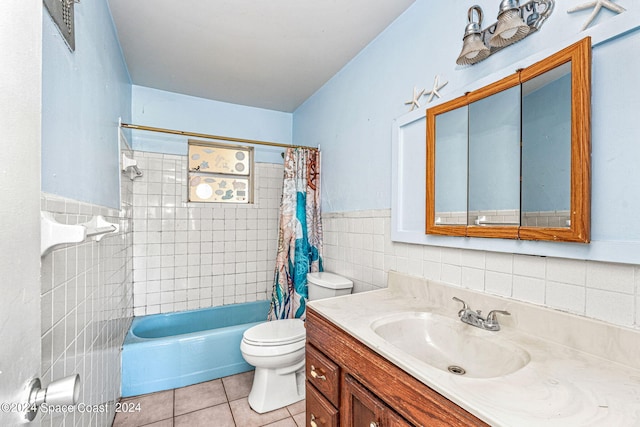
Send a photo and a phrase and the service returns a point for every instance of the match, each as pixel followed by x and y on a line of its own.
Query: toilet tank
pixel 325 285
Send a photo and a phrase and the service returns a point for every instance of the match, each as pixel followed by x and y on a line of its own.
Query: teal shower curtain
pixel 300 235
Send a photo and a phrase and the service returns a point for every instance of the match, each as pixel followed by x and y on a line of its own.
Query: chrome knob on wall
pixel 64 391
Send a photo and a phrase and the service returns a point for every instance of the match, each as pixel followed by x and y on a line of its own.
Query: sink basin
pixel 451 345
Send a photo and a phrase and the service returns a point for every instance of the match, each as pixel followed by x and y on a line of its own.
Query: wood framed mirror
pixel 512 159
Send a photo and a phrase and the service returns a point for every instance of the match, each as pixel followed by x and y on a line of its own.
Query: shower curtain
pixel 300 235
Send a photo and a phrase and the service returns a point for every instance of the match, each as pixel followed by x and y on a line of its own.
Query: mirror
pixel 451 169
pixel 494 159
pixel 546 149
pixel 511 159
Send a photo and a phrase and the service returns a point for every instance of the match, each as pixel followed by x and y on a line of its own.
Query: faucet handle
pixel 492 318
pixel 464 308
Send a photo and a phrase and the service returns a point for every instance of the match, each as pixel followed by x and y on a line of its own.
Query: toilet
pixel 276 349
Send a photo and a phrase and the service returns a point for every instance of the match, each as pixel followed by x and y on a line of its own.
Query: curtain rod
pixel 208 136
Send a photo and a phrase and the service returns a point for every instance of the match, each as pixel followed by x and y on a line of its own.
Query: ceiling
pixel 270 54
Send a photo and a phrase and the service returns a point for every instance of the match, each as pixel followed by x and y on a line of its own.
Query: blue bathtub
pixel 165 351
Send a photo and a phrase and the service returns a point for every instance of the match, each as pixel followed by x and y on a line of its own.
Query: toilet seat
pixel 260 351
pixel 277 333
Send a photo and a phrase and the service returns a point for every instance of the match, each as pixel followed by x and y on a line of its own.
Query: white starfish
pixel 436 87
pixel 596 5
pixel 416 96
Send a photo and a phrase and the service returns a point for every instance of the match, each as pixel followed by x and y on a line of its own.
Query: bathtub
pixel 165 351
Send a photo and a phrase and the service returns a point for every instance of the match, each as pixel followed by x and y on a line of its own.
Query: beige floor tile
pixel 238 386
pixel 153 407
pixel 247 417
pixel 199 396
pixel 300 419
pixel 163 423
pixel 206 405
pixel 297 407
pixel 287 422
pixel 215 416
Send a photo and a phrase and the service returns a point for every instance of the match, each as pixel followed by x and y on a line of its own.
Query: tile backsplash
pixel 358 245
pixel 190 255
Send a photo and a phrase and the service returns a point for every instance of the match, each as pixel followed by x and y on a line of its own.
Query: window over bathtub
pixel 220 173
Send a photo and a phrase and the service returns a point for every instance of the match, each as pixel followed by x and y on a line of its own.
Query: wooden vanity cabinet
pixel 349 385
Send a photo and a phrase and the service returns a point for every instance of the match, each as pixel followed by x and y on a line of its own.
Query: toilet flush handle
pixel 315 374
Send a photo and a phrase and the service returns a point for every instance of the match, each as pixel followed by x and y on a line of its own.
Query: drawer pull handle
pixel 313 423
pixel 314 374
pixel 373 424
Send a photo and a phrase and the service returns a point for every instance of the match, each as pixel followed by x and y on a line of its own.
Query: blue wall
pixel 158 108
pixel 85 92
pixel 83 95
pixel 351 115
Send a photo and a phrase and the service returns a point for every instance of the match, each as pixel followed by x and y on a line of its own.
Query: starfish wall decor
pixel 416 97
pixel 436 87
pixel 596 5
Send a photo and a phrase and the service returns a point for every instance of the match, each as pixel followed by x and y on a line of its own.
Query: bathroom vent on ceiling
pixel 61 12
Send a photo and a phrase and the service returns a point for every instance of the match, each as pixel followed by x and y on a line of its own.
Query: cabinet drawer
pixel 320 412
pixel 323 374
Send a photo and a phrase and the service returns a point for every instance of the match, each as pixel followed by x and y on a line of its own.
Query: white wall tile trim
pixel 599 290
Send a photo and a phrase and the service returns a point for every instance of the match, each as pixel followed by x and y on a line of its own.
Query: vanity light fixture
pixel 511 27
pixel 515 22
pixel 473 48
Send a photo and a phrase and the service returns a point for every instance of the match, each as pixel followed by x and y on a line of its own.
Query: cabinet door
pixel 394 420
pixel 360 408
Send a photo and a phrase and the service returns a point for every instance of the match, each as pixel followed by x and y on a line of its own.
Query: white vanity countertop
pixel 582 372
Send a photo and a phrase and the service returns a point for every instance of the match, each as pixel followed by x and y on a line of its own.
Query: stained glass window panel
pixel 217 159
pixel 220 173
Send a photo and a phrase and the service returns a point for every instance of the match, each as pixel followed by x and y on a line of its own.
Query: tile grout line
pixel 226 395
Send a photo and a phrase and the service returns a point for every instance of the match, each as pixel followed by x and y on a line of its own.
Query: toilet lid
pixel 277 332
pixel 329 280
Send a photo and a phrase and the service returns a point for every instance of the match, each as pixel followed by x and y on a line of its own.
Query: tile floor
pixel 217 403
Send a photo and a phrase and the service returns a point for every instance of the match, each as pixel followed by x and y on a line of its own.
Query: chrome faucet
pixel 474 318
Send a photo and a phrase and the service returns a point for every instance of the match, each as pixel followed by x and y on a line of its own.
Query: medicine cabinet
pixel 512 159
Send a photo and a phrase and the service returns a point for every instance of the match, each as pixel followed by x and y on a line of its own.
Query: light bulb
pixel 509 33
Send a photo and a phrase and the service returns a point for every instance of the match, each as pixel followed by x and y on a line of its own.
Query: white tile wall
pixel 87 308
pixel 355 246
pixel 194 255
pixel 605 291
